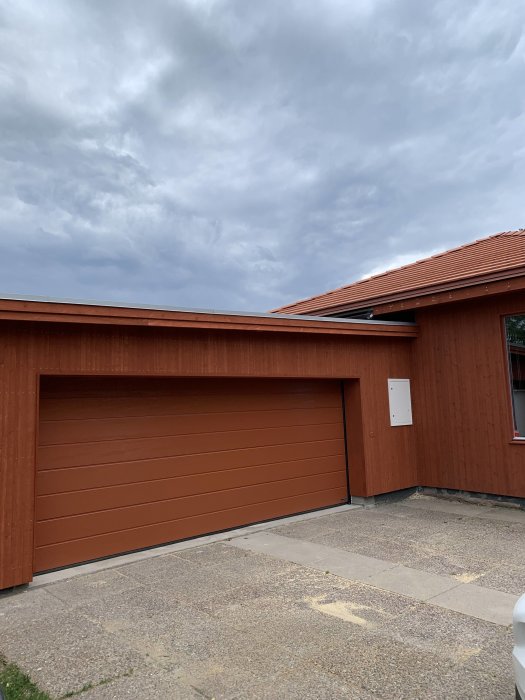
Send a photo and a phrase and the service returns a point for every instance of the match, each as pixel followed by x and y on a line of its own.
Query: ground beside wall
pixel 397 602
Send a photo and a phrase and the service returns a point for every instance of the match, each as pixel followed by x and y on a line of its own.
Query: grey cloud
pixel 242 155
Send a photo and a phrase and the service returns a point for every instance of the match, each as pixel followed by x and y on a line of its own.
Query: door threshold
pixel 159 550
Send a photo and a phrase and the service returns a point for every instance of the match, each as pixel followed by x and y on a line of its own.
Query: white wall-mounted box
pixel 400 402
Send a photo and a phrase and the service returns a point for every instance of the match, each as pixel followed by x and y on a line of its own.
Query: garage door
pixel 131 463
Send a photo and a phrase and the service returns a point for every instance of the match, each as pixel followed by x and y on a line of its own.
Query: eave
pixel 445 296
pixel 456 290
pixel 40 310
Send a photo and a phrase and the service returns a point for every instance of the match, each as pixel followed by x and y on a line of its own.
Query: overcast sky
pixel 242 154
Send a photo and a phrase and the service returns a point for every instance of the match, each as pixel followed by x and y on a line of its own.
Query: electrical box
pixel 400 402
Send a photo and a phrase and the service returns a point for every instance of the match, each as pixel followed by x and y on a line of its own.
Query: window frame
pixel 514 439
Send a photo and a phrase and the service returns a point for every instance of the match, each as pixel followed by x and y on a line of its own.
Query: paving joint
pixel 486 604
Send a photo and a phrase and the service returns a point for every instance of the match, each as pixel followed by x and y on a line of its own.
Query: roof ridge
pixel 405 267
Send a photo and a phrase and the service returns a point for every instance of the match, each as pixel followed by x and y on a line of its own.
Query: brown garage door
pixel 124 464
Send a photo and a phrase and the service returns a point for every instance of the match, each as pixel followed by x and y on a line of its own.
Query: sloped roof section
pixel 494 258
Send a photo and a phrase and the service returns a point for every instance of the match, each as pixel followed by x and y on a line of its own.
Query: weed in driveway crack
pixel 90 686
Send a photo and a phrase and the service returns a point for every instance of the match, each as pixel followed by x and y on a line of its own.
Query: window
pixel 515 334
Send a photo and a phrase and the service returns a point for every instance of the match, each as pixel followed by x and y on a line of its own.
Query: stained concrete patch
pixel 346 611
pixel 377 607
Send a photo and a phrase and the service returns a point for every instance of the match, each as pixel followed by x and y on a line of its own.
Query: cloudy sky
pixel 243 154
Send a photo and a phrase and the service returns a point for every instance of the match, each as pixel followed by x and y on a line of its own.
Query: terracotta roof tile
pixel 501 255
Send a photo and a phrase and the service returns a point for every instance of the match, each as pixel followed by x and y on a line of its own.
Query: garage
pixel 128 463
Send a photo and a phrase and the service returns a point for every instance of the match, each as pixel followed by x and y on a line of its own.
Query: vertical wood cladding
pixel 31 349
pixel 461 400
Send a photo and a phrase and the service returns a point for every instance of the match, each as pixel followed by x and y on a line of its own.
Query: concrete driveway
pixel 407 600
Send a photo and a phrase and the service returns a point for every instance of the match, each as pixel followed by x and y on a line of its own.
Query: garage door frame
pixel 350 404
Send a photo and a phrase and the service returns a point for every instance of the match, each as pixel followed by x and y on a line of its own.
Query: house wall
pixel 461 398
pixel 381 458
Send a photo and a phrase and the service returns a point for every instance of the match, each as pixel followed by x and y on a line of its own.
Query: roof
pixel 48 310
pixel 485 260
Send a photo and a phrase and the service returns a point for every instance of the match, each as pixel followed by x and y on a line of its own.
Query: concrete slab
pixel 181 579
pixel 378 546
pixel 308 682
pixel 460 545
pixel 356 567
pixel 143 684
pixel 78 590
pixel 24 607
pixel 383 669
pixel 458 636
pixel 413 583
pixel 287 548
pixel 154 572
pixel 210 618
pixel 504 577
pixel 462 566
pixel 349 565
pixel 483 603
pixel 308 530
pixel 64 653
pixel 316 556
pixel 248 568
pixel 139 613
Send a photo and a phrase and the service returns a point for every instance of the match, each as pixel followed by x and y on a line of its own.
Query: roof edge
pixel 364 302
pixel 45 309
pixel 420 292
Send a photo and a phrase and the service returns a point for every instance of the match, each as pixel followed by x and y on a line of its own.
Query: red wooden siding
pixel 384 462
pixel 461 399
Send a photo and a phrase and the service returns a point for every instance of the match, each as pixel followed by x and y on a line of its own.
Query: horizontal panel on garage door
pixel 124 464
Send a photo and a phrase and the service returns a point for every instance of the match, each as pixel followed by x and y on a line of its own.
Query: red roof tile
pixel 496 257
